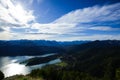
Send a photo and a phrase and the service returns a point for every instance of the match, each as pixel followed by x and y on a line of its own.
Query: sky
pixel 61 20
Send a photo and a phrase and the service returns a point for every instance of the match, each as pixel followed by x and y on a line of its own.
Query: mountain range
pixel 34 47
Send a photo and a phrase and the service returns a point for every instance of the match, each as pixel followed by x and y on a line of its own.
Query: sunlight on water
pixel 10 65
pixel 54 61
pixel 15 68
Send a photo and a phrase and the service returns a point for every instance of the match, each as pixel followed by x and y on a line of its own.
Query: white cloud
pixel 68 27
pixel 92 14
pixel 14 14
pixel 53 28
pixel 31 36
pixel 100 37
pixel 104 28
pixel 72 23
pixel 90 37
pixel 6 35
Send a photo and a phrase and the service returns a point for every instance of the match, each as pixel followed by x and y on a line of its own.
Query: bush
pixel 1 75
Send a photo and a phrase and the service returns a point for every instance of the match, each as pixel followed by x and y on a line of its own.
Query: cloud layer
pixel 81 24
pixel 92 14
pixel 14 15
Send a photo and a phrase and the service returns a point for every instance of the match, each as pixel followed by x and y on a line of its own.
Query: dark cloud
pixel 4 23
pixel 1 30
pixel 41 33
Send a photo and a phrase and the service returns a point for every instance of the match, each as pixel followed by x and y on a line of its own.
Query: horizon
pixel 60 20
pixel 62 41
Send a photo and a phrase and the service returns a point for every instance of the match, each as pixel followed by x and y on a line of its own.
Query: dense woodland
pixel 97 60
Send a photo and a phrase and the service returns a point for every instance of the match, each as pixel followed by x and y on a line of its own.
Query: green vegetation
pixel 62 64
pixel 1 75
pixel 53 72
pixel 40 60
pixel 99 60
pixel 56 73
pixel 118 74
pixel 22 77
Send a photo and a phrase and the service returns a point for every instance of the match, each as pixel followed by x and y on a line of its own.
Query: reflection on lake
pixel 14 68
pixel 10 65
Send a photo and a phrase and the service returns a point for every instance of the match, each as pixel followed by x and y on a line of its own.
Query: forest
pixel 96 60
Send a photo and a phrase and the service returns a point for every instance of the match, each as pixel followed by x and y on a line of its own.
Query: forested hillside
pixel 97 60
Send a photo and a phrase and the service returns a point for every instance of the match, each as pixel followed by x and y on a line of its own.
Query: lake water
pixel 10 65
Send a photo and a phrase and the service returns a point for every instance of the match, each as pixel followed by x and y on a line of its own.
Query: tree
pixel 1 75
pixel 118 74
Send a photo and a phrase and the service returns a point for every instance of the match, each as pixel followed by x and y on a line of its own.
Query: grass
pixel 62 64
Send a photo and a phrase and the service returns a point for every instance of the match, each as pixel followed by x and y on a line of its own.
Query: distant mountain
pixel 40 42
pixel 98 58
pixel 33 47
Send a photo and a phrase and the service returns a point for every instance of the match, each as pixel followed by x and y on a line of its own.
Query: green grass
pixel 62 64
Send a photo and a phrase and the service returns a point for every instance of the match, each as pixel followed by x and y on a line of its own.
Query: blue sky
pixel 62 20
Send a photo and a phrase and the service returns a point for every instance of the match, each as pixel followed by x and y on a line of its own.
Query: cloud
pixel 4 35
pixel 104 28
pixel 14 14
pixel 94 37
pixel 19 23
pixel 31 36
pixel 81 20
pixel 92 14
pixel 1 29
pixel 53 28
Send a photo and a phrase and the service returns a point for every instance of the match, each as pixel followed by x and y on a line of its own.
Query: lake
pixel 10 65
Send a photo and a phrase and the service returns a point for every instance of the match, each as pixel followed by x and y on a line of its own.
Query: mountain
pixel 98 58
pixel 33 47
pixel 95 60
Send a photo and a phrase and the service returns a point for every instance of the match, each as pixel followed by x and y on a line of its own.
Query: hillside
pixel 97 60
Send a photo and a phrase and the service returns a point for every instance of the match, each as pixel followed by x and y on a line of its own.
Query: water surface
pixel 10 65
